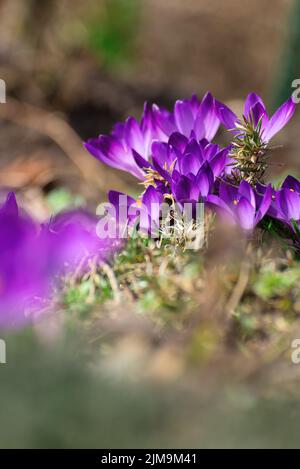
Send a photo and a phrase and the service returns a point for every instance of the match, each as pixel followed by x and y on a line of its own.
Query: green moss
pixel 271 283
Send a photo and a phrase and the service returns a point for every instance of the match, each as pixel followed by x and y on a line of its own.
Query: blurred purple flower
pixel 34 258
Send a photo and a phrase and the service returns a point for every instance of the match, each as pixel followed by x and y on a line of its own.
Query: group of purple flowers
pixel 172 154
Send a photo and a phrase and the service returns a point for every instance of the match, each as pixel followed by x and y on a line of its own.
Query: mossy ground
pixel 162 347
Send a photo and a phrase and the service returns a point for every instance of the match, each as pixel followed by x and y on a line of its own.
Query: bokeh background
pixel 72 68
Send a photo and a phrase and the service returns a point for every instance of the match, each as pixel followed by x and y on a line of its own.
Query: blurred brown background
pixel 82 65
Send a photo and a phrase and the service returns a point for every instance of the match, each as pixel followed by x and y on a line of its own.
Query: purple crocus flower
pixel 255 112
pixel 34 258
pixel 190 117
pixel 191 187
pixel 145 211
pixel 150 211
pixel 285 204
pixel 76 243
pixel 116 150
pixel 183 156
pixel 130 144
pixel 241 204
pixel 23 269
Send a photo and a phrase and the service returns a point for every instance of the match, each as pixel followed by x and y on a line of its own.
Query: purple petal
pixel 194 148
pixel 189 164
pixel 110 151
pixel 264 205
pixel 218 162
pixel 150 210
pixel 291 183
pixel 206 117
pixel 118 131
pixel 205 180
pixel 194 103
pixel 10 206
pixel 279 119
pixel 289 203
pixel 246 191
pixel 178 141
pixel 208 114
pixel 251 100
pixel 218 205
pixel 228 193
pixel 164 122
pixel 116 198
pixel 163 172
pixel 184 117
pixel 134 136
pixel 163 153
pixel 211 150
pixel 245 213
pixel 185 189
pixel 258 113
pixel 140 161
pixel 226 116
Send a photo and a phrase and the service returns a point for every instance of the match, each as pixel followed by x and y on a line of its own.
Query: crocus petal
pixel 163 172
pixel 226 116
pixel 199 125
pixel 264 205
pixel 195 104
pixel 258 114
pixel 194 148
pixel 279 119
pixel 134 136
pixel 165 122
pixel 117 198
pixel 291 183
pixel 184 117
pixel 111 152
pixel 211 150
pixel 218 205
pixel 178 141
pixel 289 203
pixel 150 209
pixel 218 162
pixel 250 102
pixel 163 153
pixel 211 120
pixel 245 213
pixel 228 193
pixel 118 131
pixel 10 206
pixel 204 180
pixel 185 189
pixel 140 161
pixel 246 191
pixel 189 164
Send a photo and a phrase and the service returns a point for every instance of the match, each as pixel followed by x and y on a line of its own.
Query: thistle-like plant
pixel 249 152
